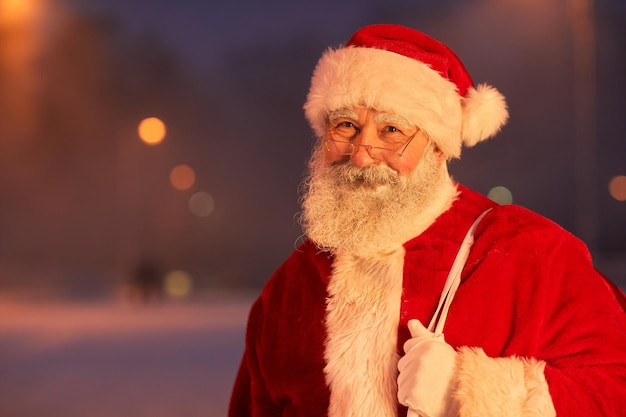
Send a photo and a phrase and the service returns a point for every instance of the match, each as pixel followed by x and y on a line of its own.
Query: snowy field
pixel 108 359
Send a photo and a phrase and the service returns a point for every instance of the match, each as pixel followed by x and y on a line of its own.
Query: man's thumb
pixel 417 329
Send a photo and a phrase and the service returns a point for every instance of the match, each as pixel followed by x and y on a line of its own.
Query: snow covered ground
pixel 106 358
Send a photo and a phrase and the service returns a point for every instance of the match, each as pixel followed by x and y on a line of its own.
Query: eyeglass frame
pixel 368 148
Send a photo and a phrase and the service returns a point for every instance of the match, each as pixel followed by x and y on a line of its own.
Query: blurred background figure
pixel 147 282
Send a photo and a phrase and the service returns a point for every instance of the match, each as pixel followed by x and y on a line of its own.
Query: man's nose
pixel 361 156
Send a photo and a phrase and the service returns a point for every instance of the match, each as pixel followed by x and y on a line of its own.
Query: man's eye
pixel 392 134
pixel 344 130
pixel 345 125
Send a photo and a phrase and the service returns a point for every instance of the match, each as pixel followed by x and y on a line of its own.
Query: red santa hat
pixel 396 69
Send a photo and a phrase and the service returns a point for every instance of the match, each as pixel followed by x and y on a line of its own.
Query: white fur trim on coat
pixel 497 387
pixel 363 310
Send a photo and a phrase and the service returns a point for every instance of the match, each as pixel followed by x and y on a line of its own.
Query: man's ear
pixel 439 154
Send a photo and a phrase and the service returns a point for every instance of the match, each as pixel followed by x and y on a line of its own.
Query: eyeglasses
pixel 342 135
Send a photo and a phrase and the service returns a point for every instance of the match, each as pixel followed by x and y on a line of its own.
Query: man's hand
pixel 426 373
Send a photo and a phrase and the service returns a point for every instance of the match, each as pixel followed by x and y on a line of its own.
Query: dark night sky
pixel 85 199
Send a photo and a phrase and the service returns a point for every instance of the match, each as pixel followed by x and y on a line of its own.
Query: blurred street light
pixel 18 11
pixel 617 187
pixel 201 204
pixel 501 195
pixel 19 44
pixel 182 177
pixel 152 130
pixel 178 284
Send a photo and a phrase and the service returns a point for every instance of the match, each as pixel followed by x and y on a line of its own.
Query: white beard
pixel 365 211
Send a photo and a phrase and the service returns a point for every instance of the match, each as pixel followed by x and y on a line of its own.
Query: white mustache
pixel 372 175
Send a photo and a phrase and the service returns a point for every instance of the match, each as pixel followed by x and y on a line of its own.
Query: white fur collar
pixel 363 311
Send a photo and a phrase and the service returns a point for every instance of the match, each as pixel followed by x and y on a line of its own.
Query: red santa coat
pixel 537 328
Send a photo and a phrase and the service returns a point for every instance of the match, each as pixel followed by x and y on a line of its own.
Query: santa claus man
pixel 414 295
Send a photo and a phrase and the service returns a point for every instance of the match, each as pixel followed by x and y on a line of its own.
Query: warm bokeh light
pixel 152 130
pixel 178 284
pixel 201 204
pixel 617 187
pixel 20 46
pixel 182 177
pixel 501 195
pixel 17 10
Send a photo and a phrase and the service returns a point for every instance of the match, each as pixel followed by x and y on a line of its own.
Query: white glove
pixel 426 373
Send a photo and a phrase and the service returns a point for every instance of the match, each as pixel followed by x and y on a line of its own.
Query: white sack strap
pixel 454 279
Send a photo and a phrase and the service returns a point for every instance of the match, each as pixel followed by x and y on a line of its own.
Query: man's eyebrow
pixel 392 118
pixel 336 114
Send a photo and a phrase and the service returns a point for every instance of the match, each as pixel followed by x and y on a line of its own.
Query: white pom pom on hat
pixel 400 70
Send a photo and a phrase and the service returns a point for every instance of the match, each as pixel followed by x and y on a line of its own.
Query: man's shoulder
pixel 506 215
pixel 515 223
pixel 520 229
pixel 306 262
pixel 520 219
pixel 301 279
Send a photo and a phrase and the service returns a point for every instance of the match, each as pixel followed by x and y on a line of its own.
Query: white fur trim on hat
pixel 373 78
